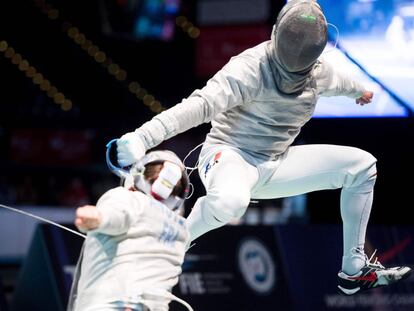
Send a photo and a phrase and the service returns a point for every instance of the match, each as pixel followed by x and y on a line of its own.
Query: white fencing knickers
pixel 233 177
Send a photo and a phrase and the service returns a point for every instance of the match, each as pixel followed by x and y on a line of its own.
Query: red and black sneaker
pixel 372 275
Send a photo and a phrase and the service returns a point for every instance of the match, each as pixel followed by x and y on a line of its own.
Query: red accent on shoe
pixel 370 277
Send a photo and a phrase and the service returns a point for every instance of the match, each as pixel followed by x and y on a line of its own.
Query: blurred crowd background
pixel 76 74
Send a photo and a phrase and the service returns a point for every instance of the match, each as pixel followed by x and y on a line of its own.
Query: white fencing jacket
pixel 138 248
pixel 246 108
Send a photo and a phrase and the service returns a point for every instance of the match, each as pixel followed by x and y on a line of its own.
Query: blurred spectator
pixel 26 193
pixel 50 192
pixel 74 194
pixel 7 193
pixel 294 209
pixel 103 184
pixel 276 211
pixel 400 39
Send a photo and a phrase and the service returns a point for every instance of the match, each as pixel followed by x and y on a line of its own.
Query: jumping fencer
pixel 257 104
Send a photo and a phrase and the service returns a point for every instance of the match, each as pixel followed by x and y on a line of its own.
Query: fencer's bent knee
pixel 369 167
pixel 229 206
pixel 364 171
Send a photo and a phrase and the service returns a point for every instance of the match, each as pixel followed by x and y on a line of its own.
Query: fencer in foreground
pixel 257 104
pixel 136 240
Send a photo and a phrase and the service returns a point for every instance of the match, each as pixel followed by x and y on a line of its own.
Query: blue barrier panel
pixel 46 274
pixel 235 268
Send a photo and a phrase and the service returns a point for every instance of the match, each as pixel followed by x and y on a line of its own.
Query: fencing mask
pixel 298 39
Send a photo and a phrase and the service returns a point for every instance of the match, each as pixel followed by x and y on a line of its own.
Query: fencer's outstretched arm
pixel 335 83
pixel 231 86
pixel 87 218
pixel 112 215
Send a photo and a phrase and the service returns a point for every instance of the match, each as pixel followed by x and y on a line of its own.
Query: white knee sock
pixel 355 212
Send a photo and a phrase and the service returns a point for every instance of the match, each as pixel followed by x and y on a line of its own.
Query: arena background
pixel 76 74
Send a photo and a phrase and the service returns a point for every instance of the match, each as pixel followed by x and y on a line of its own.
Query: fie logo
pixel 256 265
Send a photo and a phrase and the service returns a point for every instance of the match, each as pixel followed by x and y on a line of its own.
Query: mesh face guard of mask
pixel 300 35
